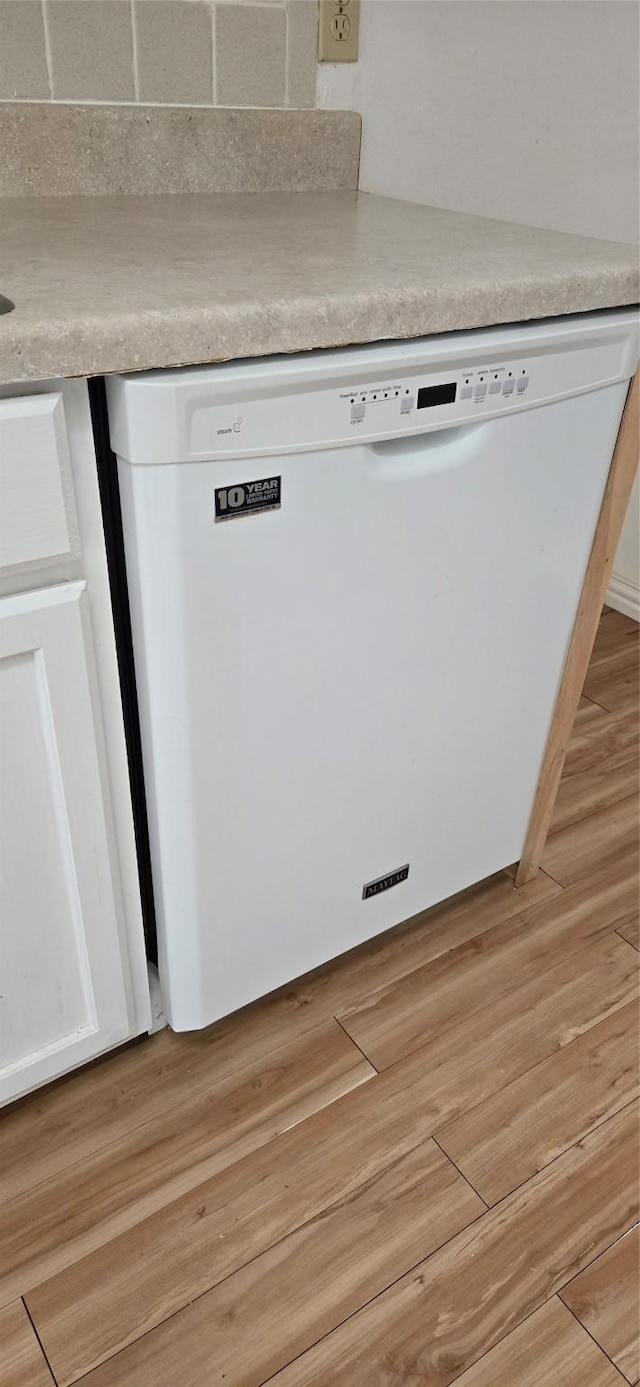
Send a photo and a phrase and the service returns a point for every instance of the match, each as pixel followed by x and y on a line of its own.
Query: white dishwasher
pixel 353 576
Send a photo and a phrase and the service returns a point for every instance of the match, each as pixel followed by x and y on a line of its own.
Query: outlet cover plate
pixel 338 31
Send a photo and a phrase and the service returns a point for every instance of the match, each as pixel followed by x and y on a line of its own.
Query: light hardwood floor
pixel 418 1165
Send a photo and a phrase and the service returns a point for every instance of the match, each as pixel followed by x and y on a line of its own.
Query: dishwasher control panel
pixel 270 406
pixel 474 386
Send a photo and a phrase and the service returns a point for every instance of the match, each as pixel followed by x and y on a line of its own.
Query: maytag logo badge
pixel 375 888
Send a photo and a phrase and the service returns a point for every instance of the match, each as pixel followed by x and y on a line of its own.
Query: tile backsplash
pixel 191 52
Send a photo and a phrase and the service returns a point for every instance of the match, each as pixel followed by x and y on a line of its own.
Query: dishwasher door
pixel 353 689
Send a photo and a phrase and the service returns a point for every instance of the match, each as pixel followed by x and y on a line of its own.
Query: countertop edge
pixel 204 336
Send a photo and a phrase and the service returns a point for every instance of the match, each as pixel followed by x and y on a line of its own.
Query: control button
pixel 508 386
pixel 495 387
pixel 357 414
pixel 466 392
pixel 480 392
pixel 523 382
pixel 406 404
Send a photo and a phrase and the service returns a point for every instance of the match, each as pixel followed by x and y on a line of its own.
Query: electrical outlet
pixel 338 31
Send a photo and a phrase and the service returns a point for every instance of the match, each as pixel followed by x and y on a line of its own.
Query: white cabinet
pixel 72 964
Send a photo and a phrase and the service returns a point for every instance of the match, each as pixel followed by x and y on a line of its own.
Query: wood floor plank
pixel 116 1294
pixel 591 790
pixel 631 932
pixel 604 1297
pixel 614 685
pixel 410 1012
pixel 612 620
pixel 78 1209
pixel 270 1311
pixel 68 1121
pixel 617 639
pixel 22 1362
pixel 587 712
pixel 439 1319
pixel 611 656
pixel 596 740
pixel 519 1130
pixel 548 1350
pixel 605 842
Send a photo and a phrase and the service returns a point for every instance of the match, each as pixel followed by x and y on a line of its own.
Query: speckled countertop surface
pixel 106 284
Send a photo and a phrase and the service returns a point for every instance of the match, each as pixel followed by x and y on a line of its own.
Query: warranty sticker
pixel 247 498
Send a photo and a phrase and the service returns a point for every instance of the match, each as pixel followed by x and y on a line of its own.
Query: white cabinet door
pixel 62 991
pixel 38 520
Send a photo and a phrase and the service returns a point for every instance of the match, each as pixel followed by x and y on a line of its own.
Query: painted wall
pixel 520 109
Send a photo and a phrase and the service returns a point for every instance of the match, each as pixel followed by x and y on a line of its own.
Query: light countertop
pixel 105 284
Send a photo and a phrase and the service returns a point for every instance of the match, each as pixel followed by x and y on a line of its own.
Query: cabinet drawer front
pixel 38 524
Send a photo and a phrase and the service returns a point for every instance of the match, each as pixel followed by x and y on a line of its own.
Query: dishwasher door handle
pixel 438 450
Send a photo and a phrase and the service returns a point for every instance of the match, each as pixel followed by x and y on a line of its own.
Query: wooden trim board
pixel 622 472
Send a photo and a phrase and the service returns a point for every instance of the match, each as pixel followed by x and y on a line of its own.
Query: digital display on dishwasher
pixel 436 395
